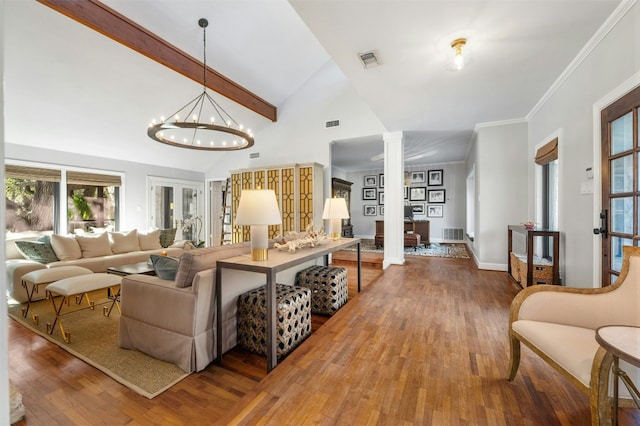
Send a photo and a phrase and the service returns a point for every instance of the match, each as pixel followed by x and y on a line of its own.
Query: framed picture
pixel 381 180
pixel 381 197
pixel 417 208
pixel 370 180
pixel 369 193
pixel 434 211
pixel 435 177
pixel 418 193
pixel 436 196
pixel 406 192
pixel 418 177
pixel 381 210
pixel 370 210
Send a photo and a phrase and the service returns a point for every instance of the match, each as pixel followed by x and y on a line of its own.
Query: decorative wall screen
pixel 298 189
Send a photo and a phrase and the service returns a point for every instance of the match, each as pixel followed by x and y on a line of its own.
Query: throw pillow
pixel 149 240
pixel 124 242
pixel 167 237
pixel 37 251
pixel 166 267
pixel 66 247
pixel 94 245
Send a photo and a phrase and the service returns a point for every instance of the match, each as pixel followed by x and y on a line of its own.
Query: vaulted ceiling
pixel 73 89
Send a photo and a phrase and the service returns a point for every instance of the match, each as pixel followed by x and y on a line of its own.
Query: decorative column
pixel 393 199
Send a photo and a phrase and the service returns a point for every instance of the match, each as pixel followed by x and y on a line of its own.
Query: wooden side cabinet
pixel 527 273
pixel 417 227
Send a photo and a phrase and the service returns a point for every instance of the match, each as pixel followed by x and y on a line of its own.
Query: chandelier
pixel 202 123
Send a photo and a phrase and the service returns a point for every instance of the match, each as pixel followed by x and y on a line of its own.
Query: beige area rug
pixel 94 339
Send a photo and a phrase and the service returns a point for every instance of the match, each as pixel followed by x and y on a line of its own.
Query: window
pixel 31 199
pixel 92 201
pixel 547 159
pixel 549 203
pixel 35 204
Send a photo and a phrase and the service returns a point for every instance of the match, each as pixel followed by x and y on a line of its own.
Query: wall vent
pixel 332 123
pixel 254 155
pixel 369 59
pixel 452 234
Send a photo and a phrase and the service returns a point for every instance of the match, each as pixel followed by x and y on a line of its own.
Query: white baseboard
pixel 492 266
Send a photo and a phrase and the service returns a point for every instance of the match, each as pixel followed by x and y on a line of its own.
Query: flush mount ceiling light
pixel 456 60
pixel 202 123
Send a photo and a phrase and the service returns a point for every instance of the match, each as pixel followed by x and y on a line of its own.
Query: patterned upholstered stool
pixel 293 319
pixel 328 285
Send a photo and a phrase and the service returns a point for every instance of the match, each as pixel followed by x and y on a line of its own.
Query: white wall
pixel 134 204
pixel 500 155
pixel 4 335
pixel 614 60
pixel 454 179
pixel 299 135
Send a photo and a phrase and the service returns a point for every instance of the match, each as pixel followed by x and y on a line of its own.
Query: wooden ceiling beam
pixel 112 24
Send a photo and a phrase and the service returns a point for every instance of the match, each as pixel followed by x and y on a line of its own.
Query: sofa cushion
pixel 167 237
pixel 38 251
pixel 124 242
pixel 166 267
pixel 149 240
pixel 94 245
pixel 66 247
pixel 194 261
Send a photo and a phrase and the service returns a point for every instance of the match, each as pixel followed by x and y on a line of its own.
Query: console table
pixel 530 234
pixel 623 343
pixel 278 261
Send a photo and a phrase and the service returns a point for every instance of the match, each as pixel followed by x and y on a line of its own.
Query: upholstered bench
pixel 293 319
pixel 80 286
pixel 33 280
pixel 328 285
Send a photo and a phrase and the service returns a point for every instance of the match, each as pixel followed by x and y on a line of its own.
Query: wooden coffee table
pixel 132 268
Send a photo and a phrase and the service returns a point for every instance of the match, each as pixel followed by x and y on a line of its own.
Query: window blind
pixel 547 153
pixel 31 173
pixel 83 178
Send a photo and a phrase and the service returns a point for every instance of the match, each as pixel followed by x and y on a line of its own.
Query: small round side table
pixel 623 342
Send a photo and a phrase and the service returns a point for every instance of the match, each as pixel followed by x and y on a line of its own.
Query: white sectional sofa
pixel 96 252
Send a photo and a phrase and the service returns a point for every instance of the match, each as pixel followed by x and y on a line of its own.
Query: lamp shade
pixel 258 207
pixel 335 208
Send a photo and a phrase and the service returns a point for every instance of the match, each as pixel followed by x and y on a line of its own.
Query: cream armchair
pixel 559 325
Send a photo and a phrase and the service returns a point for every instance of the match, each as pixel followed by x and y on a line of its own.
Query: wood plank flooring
pixel 421 344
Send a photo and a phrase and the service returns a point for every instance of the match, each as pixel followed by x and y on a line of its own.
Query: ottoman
pixel 328 285
pixel 293 319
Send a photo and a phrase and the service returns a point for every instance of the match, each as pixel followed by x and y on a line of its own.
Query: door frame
pixel 617 93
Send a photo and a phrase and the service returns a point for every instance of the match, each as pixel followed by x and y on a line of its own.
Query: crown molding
pixel 595 40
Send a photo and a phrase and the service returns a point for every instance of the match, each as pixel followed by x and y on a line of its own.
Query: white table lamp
pixel 258 208
pixel 335 209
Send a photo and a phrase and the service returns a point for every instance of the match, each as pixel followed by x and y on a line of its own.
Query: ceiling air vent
pixel 332 123
pixel 369 59
pixel 254 155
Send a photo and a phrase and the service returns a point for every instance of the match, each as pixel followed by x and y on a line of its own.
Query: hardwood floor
pixel 421 344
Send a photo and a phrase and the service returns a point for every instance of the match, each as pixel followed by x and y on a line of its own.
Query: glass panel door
pixel 177 204
pixel 620 188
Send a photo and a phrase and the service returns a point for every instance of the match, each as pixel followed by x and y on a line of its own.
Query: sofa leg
pixel 599 390
pixel 514 362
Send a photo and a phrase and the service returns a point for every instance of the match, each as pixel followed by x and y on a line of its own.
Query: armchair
pixel 559 325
